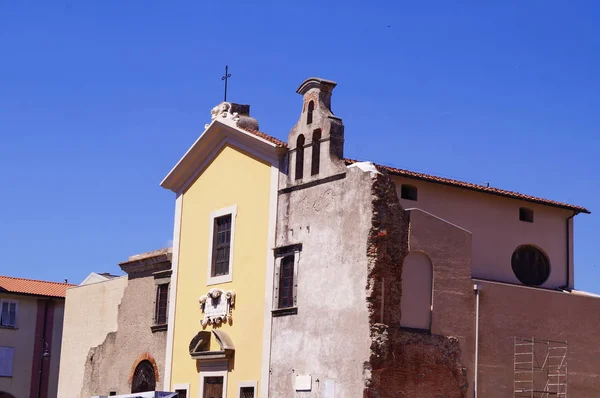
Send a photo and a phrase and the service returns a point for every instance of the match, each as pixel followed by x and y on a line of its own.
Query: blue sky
pixel 98 100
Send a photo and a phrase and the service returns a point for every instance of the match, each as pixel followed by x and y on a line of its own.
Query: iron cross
pixel 226 77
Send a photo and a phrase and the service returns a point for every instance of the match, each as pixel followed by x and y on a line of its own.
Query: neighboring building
pixel 226 198
pixel 115 330
pixel 31 323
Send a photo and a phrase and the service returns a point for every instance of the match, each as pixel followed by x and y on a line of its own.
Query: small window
pixel 221 245
pixel 112 393
pixel 316 153
pixel 530 265
pixel 309 113
pixel 8 314
pixel 408 192
pixel 286 282
pixel 162 299
pixel 525 214
pixel 247 392
pixel 300 157
pixel 181 393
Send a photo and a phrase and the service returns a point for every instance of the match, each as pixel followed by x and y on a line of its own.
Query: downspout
pixel 39 392
pixel 476 288
pixel 568 279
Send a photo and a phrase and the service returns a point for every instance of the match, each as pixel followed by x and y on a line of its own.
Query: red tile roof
pixel 474 187
pixel 445 181
pixel 10 284
pixel 267 137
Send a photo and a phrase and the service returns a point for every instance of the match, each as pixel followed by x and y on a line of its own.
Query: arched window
pixel 530 265
pixel 143 378
pixel 417 283
pixel 300 157
pixel 408 192
pixel 316 153
pixel 309 112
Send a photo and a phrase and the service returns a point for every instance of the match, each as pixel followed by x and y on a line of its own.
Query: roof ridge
pixel 474 186
pixel 37 280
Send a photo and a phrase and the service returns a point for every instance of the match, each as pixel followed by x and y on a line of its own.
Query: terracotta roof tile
pixel 474 187
pixel 10 284
pixel 267 137
pixel 446 181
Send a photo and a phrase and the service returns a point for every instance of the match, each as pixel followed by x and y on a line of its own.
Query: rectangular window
pixel 162 299
pixel 525 214
pixel 247 392
pixel 7 355
pixel 221 245
pixel 8 313
pixel 181 393
pixel 112 393
pixel 213 387
pixel 286 282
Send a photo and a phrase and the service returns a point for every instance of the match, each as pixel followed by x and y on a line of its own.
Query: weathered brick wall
pixel 405 363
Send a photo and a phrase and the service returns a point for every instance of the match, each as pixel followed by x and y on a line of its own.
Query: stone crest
pixel 217 305
pixel 223 110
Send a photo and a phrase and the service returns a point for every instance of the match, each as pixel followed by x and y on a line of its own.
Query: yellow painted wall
pixel 232 178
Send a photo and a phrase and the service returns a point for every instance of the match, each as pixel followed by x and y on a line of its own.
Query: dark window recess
pixel 213 387
pixel 181 393
pixel 530 265
pixel 525 214
pixel 162 298
pixel 408 192
pixel 247 392
pixel 143 378
pixel 309 113
pixel 300 157
pixel 221 246
pixel 8 314
pixel 316 153
pixel 286 282
pixel 112 393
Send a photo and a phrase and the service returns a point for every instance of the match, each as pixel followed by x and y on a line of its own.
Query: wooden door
pixel 213 387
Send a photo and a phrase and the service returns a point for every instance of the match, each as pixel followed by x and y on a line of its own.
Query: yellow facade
pixel 233 178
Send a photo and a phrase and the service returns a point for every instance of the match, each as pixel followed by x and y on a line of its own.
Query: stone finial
pixel 236 113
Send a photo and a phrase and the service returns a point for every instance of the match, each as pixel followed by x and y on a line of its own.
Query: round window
pixel 530 265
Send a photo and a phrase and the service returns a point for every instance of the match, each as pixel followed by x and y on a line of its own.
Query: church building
pixel 298 272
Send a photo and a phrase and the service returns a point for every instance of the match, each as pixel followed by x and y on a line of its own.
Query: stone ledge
pixel 284 311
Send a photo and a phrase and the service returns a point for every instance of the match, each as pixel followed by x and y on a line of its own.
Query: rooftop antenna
pixel 225 78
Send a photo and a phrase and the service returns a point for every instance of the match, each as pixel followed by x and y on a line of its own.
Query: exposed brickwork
pixel 402 363
pixel 144 357
pixel 387 245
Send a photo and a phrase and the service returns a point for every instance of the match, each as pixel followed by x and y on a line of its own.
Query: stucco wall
pixel 110 365
pixel 417 281
pixel 233 178
pixel 90 314
pixel 329 336
pixel 22 339
pixel 57 330
pixel 497 230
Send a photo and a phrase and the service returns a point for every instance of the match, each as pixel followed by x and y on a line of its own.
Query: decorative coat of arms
pixel 217 305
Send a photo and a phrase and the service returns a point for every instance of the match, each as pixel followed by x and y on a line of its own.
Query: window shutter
pixel 12 314
pixel 4 314
pixel 6 361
